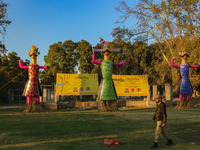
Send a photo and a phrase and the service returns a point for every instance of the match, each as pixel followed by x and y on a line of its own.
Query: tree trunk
pixel 184 104
pixel 33 106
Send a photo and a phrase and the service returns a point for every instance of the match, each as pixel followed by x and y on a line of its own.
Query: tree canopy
pixel 4 22
pixel 11 76
pixel 165 21
pixel 61 58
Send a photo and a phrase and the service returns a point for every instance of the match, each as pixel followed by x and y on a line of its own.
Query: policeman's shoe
pixel 155 145
pixel 169 142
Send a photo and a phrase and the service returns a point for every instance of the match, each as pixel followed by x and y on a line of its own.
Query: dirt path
pixel 9 107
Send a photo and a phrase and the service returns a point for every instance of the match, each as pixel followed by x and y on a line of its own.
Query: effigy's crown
pixel 34 51
pixel 105 47
pixel 183 52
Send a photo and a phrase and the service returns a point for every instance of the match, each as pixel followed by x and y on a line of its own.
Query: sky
pixel 45 22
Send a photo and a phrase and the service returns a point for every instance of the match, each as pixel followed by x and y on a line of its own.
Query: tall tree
pixel 84 55
pixel 11 76
pixel 10 67
pixel 166 21
pixel 4 22
pixel 61 58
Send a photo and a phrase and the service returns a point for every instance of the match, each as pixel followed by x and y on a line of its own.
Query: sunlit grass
pixel 86 129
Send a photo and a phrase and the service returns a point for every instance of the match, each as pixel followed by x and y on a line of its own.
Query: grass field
pixel 86 129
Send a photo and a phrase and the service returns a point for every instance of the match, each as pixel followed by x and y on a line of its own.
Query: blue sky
pixel 44 22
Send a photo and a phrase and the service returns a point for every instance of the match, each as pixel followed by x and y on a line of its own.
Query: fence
pixel 15 96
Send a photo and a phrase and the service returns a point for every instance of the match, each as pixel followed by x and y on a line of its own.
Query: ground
pixel 86 129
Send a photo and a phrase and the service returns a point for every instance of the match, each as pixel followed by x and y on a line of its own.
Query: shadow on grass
pixel 134 109
pixel 186 131
pixel 86 129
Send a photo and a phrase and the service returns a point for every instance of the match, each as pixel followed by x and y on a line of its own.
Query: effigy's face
pixel 33 52
pixel 107 53
pixel 185 57
pixel 33 56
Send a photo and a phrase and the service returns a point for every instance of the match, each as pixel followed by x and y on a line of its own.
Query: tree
pixel 84 55
pixel 144 59
pixel 168 21
pixel 11 76
pixel 173 24
pixel 4 22
pixel 140 58
pixel 61 58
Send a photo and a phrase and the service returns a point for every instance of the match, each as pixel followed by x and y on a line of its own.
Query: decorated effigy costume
pixel 32 87
pixel 184 85
pixel 106 89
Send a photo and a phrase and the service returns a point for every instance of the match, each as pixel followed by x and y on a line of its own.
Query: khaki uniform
pixel 160 130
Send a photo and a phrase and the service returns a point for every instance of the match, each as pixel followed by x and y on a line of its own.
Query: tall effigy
pixel 32 88
pixel 184 83
pixel 107 94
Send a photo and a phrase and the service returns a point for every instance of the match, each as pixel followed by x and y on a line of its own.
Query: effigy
pixel 32 88
pixel 184 88
pixel 107 98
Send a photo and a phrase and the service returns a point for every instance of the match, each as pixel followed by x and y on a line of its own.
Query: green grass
pixel 86 130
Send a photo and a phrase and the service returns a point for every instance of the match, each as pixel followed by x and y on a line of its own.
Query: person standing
pixel 161 118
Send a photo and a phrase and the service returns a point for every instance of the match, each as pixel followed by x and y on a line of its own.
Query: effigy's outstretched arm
pixel 119 64
pixel 43 67
pixel 194 66
pixel 172 64
pixel 94 61
pixel 21 65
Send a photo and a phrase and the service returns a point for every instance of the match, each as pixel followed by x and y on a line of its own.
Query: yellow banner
pixel 77 84
pixel 131 85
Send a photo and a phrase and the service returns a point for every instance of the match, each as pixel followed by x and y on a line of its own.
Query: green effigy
pixel 107 91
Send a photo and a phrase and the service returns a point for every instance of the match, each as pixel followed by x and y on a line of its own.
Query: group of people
pixel 107 94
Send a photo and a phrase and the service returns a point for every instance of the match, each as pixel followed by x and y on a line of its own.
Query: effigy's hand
pixel 163 125
pixel 92 50
pixel 124 62
pixel 47 65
